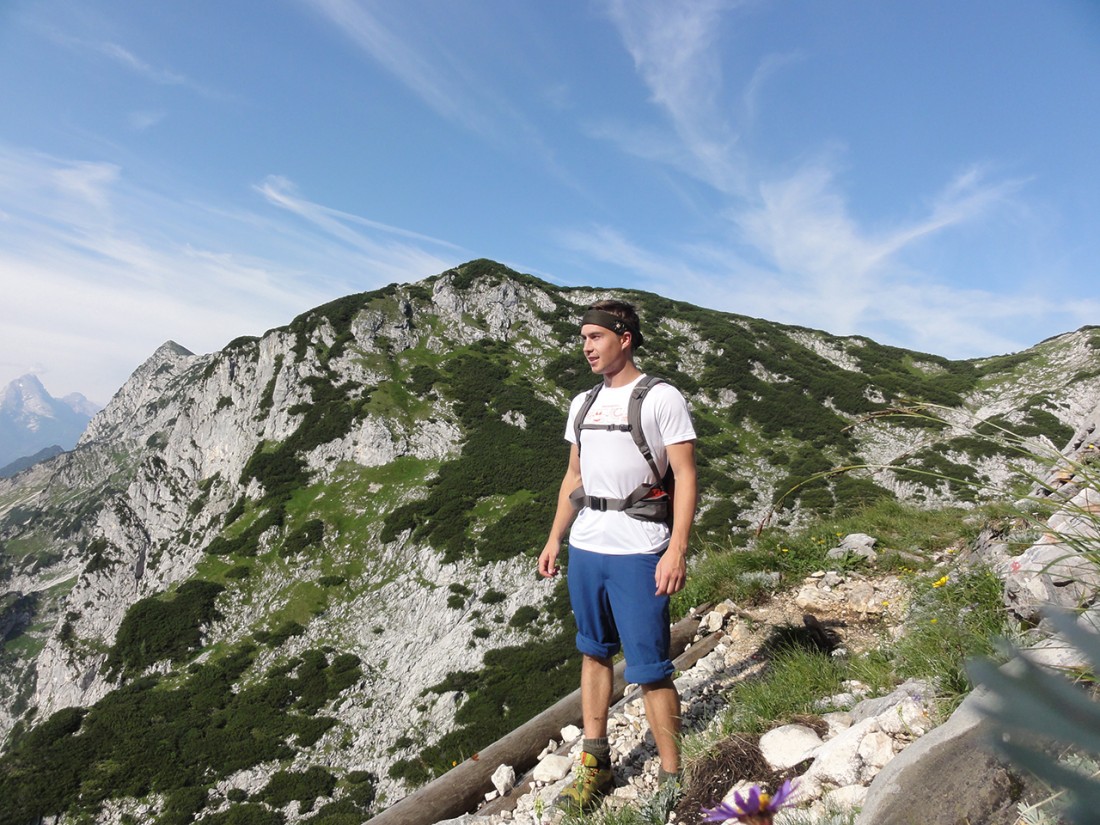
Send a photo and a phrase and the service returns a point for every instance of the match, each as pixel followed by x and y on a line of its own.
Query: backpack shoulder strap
pixel 586 405
pixel 634 417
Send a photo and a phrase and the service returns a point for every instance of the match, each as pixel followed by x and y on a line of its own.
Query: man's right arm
pixel 563 515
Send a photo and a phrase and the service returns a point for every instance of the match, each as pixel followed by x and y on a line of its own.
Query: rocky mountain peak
pixel 148 382
pixel 25 396
pixel 31 419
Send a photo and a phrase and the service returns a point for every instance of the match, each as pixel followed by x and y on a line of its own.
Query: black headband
pixel 612 322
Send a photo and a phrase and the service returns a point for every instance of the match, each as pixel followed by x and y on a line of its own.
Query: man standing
pixel 623 567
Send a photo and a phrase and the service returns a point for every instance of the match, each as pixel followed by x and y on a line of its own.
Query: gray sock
pixel 599 748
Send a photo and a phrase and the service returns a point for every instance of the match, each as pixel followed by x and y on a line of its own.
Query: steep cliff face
pixel 373 480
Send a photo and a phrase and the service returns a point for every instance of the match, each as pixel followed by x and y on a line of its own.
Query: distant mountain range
pixel 32 420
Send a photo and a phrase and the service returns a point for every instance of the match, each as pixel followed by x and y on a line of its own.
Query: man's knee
pixel 600 661
pixel 662 684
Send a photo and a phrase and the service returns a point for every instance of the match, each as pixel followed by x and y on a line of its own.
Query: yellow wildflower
pixel 940 582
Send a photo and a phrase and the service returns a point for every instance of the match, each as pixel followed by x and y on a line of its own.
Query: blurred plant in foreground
pixel 1029 702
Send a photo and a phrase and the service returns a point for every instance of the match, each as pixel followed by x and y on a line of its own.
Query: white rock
pixel 713 622
pixel 875 749
pixel 859 596
pixel 813 598
pixel 504 779
pixel 845 799
pixel 552 768
pixel 837 721
pixel 786 746
pixel 856 544
pixel 837 763
pixel 909 718
pixel 569 733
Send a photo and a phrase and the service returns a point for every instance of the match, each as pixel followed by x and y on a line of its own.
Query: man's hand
pixel 548 559
pixel 671 574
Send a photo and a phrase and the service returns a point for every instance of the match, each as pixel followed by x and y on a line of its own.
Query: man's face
pixel 606 352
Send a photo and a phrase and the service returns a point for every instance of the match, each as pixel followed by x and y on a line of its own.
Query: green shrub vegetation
pixel 480 269
pixel 422 379
pixel 304 786
pixel 278 636
pixel 280 469
pixel 950 623
pixel 498 458
pixel 524 616
pixel 929 468
pixel 149 737
pixel 722 571
pixel 310 534
pixel 168 626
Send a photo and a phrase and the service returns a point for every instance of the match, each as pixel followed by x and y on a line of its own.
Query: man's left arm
pixel 671 575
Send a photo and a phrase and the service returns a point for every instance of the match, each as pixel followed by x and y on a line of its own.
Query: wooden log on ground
pixel 464 787
pixel 682 662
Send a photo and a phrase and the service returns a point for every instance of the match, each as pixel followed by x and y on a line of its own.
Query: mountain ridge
pixel 382 469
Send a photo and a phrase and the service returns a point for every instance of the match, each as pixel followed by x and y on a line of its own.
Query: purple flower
pixel 757 807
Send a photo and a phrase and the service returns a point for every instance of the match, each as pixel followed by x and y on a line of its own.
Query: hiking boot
pixel 589 783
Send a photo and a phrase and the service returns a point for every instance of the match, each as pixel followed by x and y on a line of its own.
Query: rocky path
pixel 836 757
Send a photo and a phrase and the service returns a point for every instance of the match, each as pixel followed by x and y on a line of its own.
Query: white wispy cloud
pixel 450 82
pixel 796 252
pixel 144 120
pixel 768 67
pixel 800 257
pixel 672 46
pixel 441 86
pixel 283 193
pixel 802 226
pixel 97 272
pixel 89 182
pixel 121 56
pixel 127 59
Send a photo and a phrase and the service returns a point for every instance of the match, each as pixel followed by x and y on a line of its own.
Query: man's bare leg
pixel 593 777
pixel 597 677
pixel 662 709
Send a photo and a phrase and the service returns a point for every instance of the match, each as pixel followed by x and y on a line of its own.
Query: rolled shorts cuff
pixel 649 673
pixel 598 650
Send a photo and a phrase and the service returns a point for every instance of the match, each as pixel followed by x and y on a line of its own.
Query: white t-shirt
pixel 612 466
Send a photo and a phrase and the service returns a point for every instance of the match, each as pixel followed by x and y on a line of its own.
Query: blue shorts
pixel 615 606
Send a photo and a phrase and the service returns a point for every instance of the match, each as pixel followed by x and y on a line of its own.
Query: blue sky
pixel 921 172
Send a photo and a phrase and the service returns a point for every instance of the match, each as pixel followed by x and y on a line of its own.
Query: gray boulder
pixel 948 776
